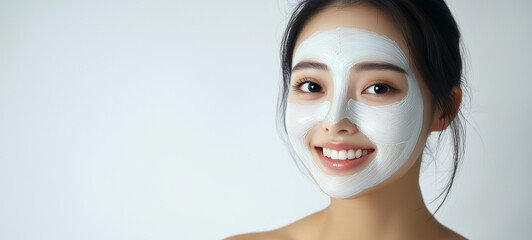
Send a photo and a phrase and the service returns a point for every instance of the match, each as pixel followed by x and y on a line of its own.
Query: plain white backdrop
pixel 156 120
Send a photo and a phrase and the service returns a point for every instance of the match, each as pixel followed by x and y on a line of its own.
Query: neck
pixel 395 210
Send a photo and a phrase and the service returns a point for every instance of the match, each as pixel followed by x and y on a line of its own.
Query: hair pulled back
pixel 433 39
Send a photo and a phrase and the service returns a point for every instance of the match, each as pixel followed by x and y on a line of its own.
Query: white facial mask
pixel 393 128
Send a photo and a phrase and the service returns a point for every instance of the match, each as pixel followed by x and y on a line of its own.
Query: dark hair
pixel 433 39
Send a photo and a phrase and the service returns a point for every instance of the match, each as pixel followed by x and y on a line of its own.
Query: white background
pixel 156 120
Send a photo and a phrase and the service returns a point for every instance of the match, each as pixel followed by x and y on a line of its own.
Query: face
pixel 357 115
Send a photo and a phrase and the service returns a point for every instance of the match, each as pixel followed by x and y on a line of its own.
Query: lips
pixel 343 157
pixel 346 154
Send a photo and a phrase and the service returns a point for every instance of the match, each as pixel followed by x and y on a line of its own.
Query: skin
pixel 395 208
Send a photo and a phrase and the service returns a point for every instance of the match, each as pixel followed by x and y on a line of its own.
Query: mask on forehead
pixel 393 128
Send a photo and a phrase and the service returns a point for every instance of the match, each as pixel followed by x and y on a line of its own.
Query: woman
pixel 365 83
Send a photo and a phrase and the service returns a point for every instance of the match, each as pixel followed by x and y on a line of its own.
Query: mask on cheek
pixel 393 128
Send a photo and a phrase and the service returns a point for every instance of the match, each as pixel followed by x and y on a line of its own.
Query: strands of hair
pixel 433 39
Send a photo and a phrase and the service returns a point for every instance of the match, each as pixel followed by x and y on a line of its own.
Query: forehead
pixel 342 48
pixel 360 16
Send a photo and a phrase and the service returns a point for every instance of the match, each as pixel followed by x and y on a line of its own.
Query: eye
pixel 309 87
pixel 378 89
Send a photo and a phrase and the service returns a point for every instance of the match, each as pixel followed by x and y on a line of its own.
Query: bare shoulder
pixel 452 235
pixel 270 235
pixel 300 229
pixel 445 233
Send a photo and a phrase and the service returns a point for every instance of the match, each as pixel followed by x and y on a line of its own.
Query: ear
pixel 440 119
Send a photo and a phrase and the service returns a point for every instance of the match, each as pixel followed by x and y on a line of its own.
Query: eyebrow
pixel 367 66
pixel 364 66
pixel 306 64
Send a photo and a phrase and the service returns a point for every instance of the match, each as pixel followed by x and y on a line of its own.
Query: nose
pixel 344 126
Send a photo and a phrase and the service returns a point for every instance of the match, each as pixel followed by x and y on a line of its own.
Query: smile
pixel 347 154
pixel 343 157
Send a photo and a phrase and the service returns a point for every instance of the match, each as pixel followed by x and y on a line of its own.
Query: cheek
pixel 387 125
pixel 300 119
pixel 428 108
pixel 428 117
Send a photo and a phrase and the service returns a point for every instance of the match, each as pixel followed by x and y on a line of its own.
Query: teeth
pixel 334 154
pixel 351 154
pixel 358 153
pixel 344 154
pixel 326 152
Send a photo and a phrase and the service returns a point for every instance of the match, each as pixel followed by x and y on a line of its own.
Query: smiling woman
pixel 388 122
pixel 365 83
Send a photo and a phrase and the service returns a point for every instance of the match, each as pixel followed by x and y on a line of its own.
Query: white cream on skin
pixel 393 128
